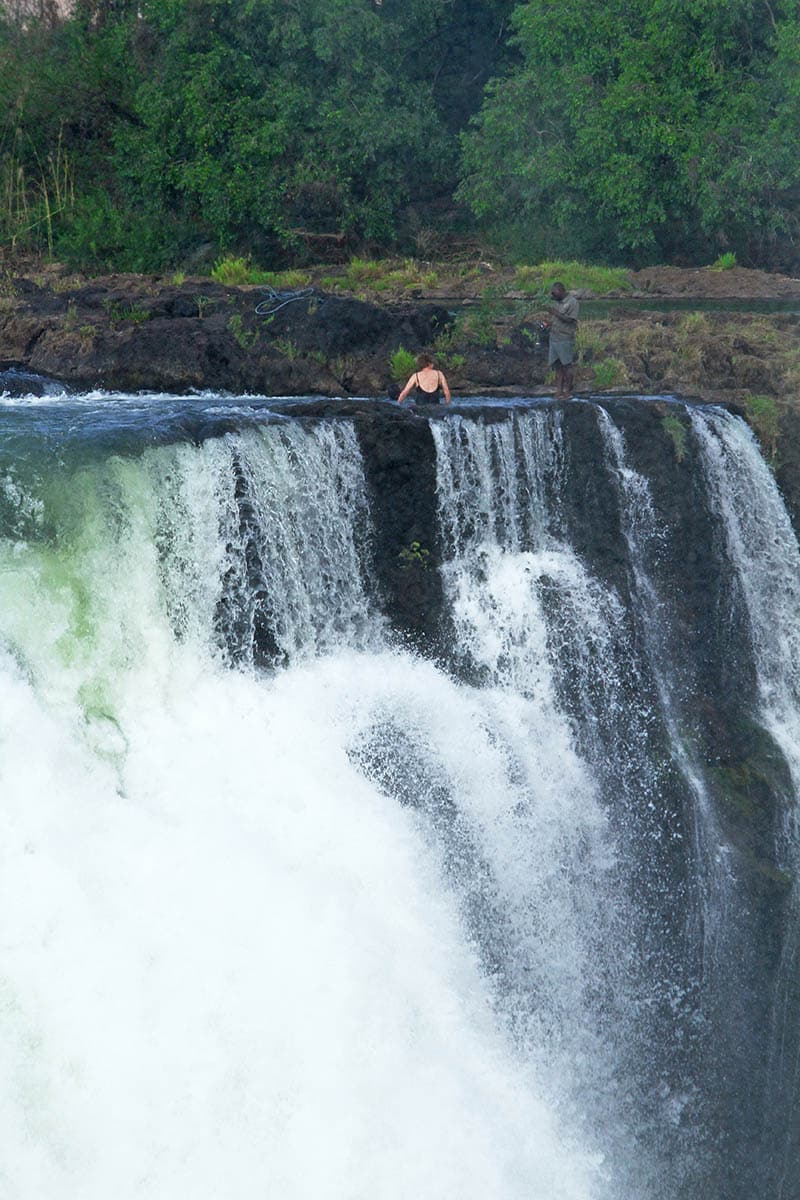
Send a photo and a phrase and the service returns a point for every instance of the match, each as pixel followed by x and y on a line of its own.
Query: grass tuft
pixel 538 279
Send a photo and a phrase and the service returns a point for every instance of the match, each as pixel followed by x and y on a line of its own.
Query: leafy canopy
pixel 643 129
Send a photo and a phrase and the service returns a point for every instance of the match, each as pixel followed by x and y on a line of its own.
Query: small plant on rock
pixel 675 430
pixel 287 348
pixel 231 271
pixel 414 555
pixel 609 372
pixel 245 340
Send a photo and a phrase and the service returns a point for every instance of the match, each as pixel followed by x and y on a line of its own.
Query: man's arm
pixel 566 309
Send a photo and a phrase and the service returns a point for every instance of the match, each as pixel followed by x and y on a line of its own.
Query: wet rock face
pixel 400 468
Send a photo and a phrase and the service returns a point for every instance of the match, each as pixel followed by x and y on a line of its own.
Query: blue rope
pixel 278 300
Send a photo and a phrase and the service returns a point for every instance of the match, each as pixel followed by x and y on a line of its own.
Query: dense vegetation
pixel 138 133
pixel 659 129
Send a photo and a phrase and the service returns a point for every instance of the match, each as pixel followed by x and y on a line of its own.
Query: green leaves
pixel 643 130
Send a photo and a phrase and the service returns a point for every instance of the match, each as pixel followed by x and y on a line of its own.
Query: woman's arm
pixel 445 388
pixel 406 389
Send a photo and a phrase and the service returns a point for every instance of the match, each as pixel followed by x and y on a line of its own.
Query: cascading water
pixel 290 911
pixel 764 552
pixel 645 538
pixel 230 964
pixel 543 634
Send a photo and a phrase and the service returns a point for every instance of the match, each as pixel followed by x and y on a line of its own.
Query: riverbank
pixel 130 332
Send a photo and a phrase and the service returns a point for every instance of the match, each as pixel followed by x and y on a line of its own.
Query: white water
pixel 351 929
pixel 762 545
pixel 231 964
pixel 713 876
pixel 529 619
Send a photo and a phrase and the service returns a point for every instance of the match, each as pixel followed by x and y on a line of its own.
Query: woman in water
pixel 427 383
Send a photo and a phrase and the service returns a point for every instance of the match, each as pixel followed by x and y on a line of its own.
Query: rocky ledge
pixel 136 333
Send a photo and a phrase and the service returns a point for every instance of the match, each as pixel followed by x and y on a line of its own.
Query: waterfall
pixel 289 909
pixel 232 963
pixel 531 622
pixel 764 553
pixel 645 538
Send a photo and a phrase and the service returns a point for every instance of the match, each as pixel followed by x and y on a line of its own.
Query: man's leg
pixel 567 375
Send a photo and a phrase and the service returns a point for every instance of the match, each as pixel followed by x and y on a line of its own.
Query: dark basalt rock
pixel 126 337
pixel 17 382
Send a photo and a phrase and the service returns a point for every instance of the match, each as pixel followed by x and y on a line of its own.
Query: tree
pixel 259 118
pixel 644 129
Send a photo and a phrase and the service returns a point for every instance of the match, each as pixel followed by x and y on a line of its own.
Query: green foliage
pixel 641 131
pixel 381 275
pixel 118 313
pixel 132 134
pixel 589 342
pixel 675 430
pixel 609 372
pixel 414 555
pixel 450 361
pixel 246 339
pixel 267 124
pixel 231 271
pixel 725 262
pixel 236 272
pixel 762 415
pixel 478 325
pixel 245 123
pixel 287 348
pixel 282 281
pixel 574 275
pixel 401 364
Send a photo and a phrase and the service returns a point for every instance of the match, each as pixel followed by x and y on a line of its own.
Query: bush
pixel 641 131
pixel 401 364
pixel 609 372
pixel 231 271
pixel 725 262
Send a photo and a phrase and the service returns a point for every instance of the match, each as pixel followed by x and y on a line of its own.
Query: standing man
pixel 563 324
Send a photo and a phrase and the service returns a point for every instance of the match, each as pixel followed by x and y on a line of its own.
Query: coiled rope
pixel 277 300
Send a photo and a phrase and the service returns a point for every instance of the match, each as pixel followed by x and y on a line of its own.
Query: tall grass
pixel 31 203
pixel 234 272
pixel 539 278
